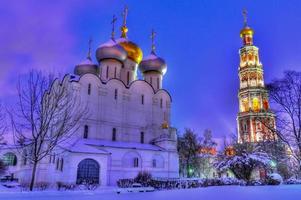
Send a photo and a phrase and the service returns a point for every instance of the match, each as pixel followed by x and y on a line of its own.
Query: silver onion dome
pixel 153 63
pixel 111 50
pixel 86 66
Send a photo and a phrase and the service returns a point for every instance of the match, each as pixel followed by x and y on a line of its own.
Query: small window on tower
pixel 154 163
pixel 62 164
pixel 115 72
pixel 142 137
pixel 161 103
pixel 158 83
pixel 136 162
pixel 107 72
pixel 57 164
pixel 89 88
pixel 151 80
pixel 86 131
pixel 128 78
pixel 114 134
pixel 142 99
pixel 115 94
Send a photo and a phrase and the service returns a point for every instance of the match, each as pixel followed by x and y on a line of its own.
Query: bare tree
pixel 47 115
pixel 285 96
pixel 3 125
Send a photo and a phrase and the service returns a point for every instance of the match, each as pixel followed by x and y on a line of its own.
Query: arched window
pixel 115 94
pixel 266 104
pixel 256 105
pixel 131 159
pixel 115 72
pixel 89 88
pixel 88 172
pixel 158 161
pixel 141 137
pixel 136 162
pixel 24 157
pixel 86 131
pixel 128 78
pixel 154 163
pixel 114 134
pixel 57 164
pixel 62 164
pixel 161 103
pixel 107 72
pixel 10 159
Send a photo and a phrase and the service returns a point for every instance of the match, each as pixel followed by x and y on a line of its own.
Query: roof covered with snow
pixel 118 144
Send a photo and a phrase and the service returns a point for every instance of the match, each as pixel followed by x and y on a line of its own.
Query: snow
pixel 276 176
pixel 287 192
pixel 109 43
pixel 86 62
pixel 118 144
pixel 151 57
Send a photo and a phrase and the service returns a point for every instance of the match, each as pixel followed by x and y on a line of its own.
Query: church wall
pixel 123 109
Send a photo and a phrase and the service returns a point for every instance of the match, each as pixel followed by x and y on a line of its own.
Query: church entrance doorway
pixel 88 172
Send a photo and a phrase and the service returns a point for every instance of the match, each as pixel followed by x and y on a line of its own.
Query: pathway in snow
pixel 285 192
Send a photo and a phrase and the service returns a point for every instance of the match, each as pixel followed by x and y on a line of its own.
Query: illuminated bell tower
pixel 254 112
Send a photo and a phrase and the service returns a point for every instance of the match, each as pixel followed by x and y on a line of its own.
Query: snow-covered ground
pixel 284 192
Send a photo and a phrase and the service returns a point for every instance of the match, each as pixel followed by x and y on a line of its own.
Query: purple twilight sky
pixel 198 39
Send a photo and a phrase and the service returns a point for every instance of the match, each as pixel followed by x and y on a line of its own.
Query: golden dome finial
pixel 245 15
pixel 153 35
pixel 165 125
pixel 89 50
pixel 113 27
pixel 246 30
pixel 124 29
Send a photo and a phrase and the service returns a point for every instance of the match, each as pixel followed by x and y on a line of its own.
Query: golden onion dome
pixel 133 50
pixel 246 31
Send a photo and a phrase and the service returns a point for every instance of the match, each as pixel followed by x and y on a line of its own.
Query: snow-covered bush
pixel 255 183
pixel 160 184
pixel 247 158
pixel 41 186
pixel 232 181
pixel 143 178
pixel 123 183
pixel 2 167
pixel 273 179
pixel 65 186
pixel 292 180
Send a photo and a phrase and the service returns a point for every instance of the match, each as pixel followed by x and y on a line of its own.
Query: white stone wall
pixel 126 113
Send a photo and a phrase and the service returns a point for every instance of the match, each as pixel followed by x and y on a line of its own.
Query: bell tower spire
pixel 253 95
pixel 246 33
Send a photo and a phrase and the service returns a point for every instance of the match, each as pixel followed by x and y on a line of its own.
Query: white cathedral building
pixel 127 130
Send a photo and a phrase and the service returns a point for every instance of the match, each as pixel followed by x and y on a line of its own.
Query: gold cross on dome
pixel 245 15
pixel 125 14
pixel 113 26
pixel 89 51
pixel 153 35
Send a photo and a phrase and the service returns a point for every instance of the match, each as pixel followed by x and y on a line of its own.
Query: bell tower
pixel 254 111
